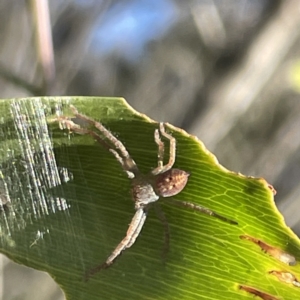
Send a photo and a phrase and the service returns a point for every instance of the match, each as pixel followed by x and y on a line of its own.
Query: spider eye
pixel 171 182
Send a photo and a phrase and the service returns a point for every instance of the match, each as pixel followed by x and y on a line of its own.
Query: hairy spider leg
pixel 83 131
pixel 139 228
pixel 130 174
pixel 200 209
pixel 163 168
pixel 128 163
pixel 161 149
pixel 71 126
pixel 133 231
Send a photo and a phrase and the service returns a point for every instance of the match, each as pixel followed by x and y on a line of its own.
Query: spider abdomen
pixel 171 182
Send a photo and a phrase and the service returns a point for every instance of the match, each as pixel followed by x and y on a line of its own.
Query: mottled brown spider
pixel 163 181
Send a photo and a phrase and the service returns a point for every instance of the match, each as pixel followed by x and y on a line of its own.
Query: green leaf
pixel 68 205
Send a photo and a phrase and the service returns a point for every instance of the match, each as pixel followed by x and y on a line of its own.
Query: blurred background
pixel 225 71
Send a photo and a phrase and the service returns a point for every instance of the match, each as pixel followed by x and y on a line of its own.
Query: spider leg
pixel 161 149
pixel 122 163
pixel 83 131
pixel 71 126
pixel 200 209
pixel 163 168
pixel 164 221
pixel 127 163
pixel 118 144
pixel 138 229
pixel 133 231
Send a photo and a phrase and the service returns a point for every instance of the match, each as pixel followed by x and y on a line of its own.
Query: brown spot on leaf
pixel 257 293
pixel 286 277
pixel 274 252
